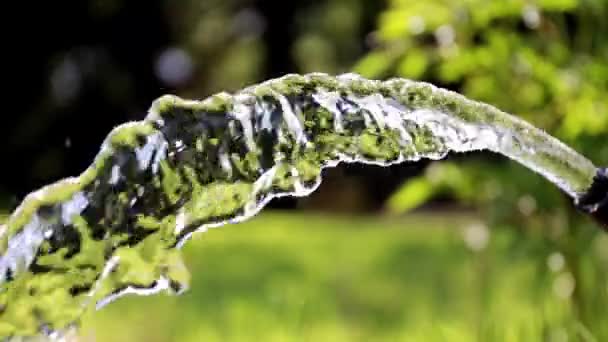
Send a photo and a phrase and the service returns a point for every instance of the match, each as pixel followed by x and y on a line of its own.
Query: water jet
pixel 189 166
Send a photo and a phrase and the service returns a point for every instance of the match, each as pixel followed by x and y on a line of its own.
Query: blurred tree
pixel 543 60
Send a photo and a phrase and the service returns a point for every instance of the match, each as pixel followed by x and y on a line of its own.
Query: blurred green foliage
pixel 225 40
pixel 545 61
pixel 542 60
pixel 293 277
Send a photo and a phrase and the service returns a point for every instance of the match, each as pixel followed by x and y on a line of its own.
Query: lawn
pixel 309 277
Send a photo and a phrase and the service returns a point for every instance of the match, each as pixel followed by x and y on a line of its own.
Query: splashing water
pixel 117 228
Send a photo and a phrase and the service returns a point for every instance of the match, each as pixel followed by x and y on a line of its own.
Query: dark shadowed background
pixel 80 68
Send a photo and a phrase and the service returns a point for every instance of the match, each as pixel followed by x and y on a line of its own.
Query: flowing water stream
pixel 82 242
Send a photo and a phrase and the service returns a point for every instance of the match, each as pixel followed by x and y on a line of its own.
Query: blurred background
pixel 472 248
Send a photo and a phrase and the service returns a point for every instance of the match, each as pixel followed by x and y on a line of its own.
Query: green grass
pixel 295 277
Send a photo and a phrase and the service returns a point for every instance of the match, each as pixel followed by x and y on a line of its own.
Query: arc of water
pixel 193 165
